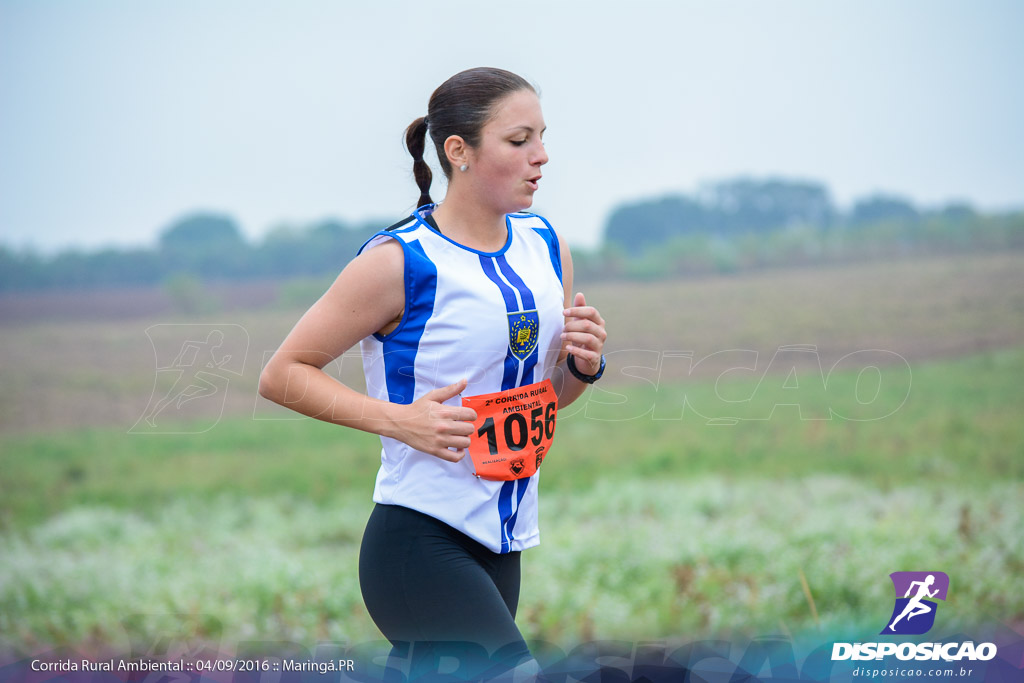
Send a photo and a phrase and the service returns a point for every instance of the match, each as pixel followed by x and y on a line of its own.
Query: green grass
pixel 629 559
pixel 652 528
pixel 954 422
pixel 946 422
pixel 303 458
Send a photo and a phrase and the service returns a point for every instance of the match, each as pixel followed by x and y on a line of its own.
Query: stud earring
pixel 463 168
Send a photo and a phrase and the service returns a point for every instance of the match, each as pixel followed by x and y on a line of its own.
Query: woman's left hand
pixel 584 335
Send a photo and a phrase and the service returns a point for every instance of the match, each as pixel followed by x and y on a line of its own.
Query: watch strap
pixel 570 363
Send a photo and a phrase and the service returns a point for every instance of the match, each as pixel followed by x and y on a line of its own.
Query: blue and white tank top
pixel 460 306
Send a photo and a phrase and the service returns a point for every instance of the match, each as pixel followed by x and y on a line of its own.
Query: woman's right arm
pixel 367 295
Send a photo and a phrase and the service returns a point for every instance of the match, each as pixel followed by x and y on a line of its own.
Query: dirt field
pixel 107 359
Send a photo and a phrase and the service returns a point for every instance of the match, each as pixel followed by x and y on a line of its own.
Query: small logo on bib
pixel 522 333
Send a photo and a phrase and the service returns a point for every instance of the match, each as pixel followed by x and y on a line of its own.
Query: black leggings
pixel 426 584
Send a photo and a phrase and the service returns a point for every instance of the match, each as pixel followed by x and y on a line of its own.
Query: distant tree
pixel 206 244
pixel 338 242
pixel 746 205
pixel 957 211
pixel 20 270
pixel 76 269
pixel 126 267
pixel 284 250
pixel 634 227
pixel 201 230
pixel 881 208
pixel 724 209
pixel 321 248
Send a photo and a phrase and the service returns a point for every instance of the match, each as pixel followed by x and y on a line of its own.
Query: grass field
pixel 676 504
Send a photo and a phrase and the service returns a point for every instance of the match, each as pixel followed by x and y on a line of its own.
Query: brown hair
pixel 460 106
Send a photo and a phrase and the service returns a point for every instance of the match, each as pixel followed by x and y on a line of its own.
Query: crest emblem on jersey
pixel 522 333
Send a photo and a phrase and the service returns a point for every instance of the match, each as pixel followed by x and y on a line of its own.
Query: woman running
pixel 470 337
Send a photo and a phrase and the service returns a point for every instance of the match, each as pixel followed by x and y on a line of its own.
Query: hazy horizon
pixel 120 118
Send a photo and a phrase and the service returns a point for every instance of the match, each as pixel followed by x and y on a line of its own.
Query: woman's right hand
pixel 428 425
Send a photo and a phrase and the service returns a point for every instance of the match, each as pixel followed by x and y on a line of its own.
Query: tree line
pixel 202 245
pixel 725 226
pixel 744 223
pixel 748 206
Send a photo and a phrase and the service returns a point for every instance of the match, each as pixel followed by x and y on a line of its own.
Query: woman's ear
pixel 457 151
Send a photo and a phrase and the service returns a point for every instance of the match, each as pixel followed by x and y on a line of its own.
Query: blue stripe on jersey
pixel 528 365
pixel 511 305
pixel 553 249
pixel 520 492
pixel 505 513
pixel 508 380
pixel 517 282
pixel 400 350
pixel 508 516
pixel 528 304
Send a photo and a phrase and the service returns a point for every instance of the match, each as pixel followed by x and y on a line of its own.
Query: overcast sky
pixel 117 117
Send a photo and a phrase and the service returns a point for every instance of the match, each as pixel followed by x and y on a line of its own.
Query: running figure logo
pixel 914 612
pixel 194 367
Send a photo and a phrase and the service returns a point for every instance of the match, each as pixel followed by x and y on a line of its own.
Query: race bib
pixel 514 430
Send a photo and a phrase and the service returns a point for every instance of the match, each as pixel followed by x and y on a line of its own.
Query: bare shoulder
pixel 372 285
pixel 563 247
pixel 385 261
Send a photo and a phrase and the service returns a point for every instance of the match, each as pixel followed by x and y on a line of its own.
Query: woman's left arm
pixel 583 336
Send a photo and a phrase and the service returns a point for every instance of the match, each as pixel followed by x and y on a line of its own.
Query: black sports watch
pixel 570 362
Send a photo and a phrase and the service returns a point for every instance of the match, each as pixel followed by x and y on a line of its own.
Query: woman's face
pixel 505 167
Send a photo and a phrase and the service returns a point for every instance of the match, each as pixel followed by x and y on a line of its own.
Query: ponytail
pixel 415 140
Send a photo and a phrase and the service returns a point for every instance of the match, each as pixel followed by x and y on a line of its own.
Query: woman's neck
pixel 470 223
